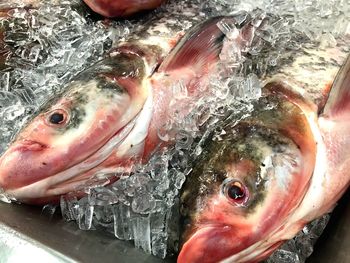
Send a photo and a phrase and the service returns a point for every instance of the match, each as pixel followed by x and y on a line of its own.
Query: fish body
pixel 121 8
pixel 107 118
pixel 276 170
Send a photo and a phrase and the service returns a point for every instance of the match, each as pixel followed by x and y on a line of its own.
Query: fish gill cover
pixel 48 49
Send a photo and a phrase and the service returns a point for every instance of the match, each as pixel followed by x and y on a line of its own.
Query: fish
pixel 272 172
pixel 121 8
pixel 107 118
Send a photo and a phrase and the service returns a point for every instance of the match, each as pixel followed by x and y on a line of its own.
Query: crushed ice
pixel 47 50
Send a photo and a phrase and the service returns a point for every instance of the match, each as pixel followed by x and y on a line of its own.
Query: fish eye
pixel 236 192
pixel 57 117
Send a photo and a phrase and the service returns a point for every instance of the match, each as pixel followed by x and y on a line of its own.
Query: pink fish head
pixel 76 132
pixel 245 185
pixel 270 174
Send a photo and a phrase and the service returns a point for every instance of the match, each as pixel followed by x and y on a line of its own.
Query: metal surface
pixel 26 235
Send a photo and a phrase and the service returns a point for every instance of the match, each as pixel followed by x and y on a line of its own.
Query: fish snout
pixel 19 164
pixel 210 244
pixel 29 145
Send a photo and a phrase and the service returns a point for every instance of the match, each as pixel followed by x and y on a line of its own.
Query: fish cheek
pixel 195 199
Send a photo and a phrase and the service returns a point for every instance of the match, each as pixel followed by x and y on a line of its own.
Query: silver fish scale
pixel 311 70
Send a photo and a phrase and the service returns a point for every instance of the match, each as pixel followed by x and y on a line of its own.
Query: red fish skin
pixel 121 8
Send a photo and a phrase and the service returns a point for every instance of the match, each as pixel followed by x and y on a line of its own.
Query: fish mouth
pixel 56 185
pixel 30 145
pixel 222 243
pixel 206 244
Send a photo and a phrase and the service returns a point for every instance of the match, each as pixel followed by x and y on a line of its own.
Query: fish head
pixel 245 185
pixel 76 131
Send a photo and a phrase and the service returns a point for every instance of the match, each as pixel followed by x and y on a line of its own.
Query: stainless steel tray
pixel 26 234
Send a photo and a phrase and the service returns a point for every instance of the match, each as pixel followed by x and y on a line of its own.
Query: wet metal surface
pixel 26 234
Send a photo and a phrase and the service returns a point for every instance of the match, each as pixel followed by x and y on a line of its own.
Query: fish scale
pixel 312 70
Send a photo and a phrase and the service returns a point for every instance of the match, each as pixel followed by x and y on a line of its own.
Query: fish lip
pixel 194 243
pixel 202 228
pixel 29 145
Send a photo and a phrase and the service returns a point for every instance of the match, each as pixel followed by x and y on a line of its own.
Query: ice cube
pixel 8 99
pixel 122 222
pixel 179 180
pixel 103 216
pixel 159 244
pixel 143 202
pixel 49 210
pixel 228 27
pixel 179 159
pixel 283 256
pixel 4 81
pixel 13 112
pixel 85 214
pixel 69 207
pixel 26 95
pixel 183 140
pixel 102 196
pixel 142 233
pixel 4 197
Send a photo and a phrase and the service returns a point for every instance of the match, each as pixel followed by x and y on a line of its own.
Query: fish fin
pixel 338 101
pixel 198 46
